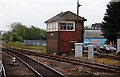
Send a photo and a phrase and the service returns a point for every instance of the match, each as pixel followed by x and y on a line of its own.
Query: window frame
pixel 53 26
pixel 66 23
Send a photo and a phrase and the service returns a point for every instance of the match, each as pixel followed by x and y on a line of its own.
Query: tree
pixel 20 32
pixel 18 29
pixel 111 23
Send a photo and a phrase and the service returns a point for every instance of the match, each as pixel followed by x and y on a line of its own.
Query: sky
pixel 36 12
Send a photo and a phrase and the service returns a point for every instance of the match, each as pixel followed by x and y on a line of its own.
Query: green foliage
pixel 20 32
pixel 15 44
pixel 111 24
pixel 35 33
pixel 7 36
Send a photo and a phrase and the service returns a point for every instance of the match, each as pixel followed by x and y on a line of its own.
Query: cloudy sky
pixel 35 12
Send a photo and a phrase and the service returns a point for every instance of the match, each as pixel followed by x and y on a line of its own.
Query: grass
pixel 107 61
pixel 15 44
pixel 101 60
pixel 37 49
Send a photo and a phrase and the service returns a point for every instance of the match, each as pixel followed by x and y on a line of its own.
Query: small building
pixel 63 30
pixel 35 42
pixel 94 36
pixel 96 26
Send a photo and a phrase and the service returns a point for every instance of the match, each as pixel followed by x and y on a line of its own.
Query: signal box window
pixel 67 26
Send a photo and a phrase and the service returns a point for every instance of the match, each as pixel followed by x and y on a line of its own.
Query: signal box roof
pixel 66 16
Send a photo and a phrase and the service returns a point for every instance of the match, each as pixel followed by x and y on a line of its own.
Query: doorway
pixel 72 47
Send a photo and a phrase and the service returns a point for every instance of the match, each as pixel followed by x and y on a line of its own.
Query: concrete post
pixel 118 43
pixel 78 50
pixel 90 52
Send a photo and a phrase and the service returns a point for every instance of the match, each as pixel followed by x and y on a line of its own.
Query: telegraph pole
pixel 78 5
pixel 77 31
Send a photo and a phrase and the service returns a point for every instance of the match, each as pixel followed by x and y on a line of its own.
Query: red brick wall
pixel 67 36
pixel 52 45
pixel 64 39
pixel 52 42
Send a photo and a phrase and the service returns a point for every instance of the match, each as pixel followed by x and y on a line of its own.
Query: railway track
pixel 115 69
pixel 39 68
pixel 2 70
pixel 100 55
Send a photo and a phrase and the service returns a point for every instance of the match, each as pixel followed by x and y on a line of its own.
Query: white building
pixel 115 0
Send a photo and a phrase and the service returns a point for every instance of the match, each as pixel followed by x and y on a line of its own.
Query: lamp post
pixel 1 38
pixel 9 29
pixel 5 38
pixel 24 35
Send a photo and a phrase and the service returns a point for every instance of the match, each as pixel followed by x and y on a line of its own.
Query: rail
pixel 78 62
pixel 43 69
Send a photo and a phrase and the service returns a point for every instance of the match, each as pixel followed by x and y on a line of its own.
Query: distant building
pixel 115 0
pixel 96 26
pixel 94 35
pixel 63 30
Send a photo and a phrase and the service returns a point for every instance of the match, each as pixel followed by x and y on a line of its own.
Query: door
pixel 72 47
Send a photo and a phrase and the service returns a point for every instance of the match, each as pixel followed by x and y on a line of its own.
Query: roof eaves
pixel 83 19
pixel 60 15
pixel 53 18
